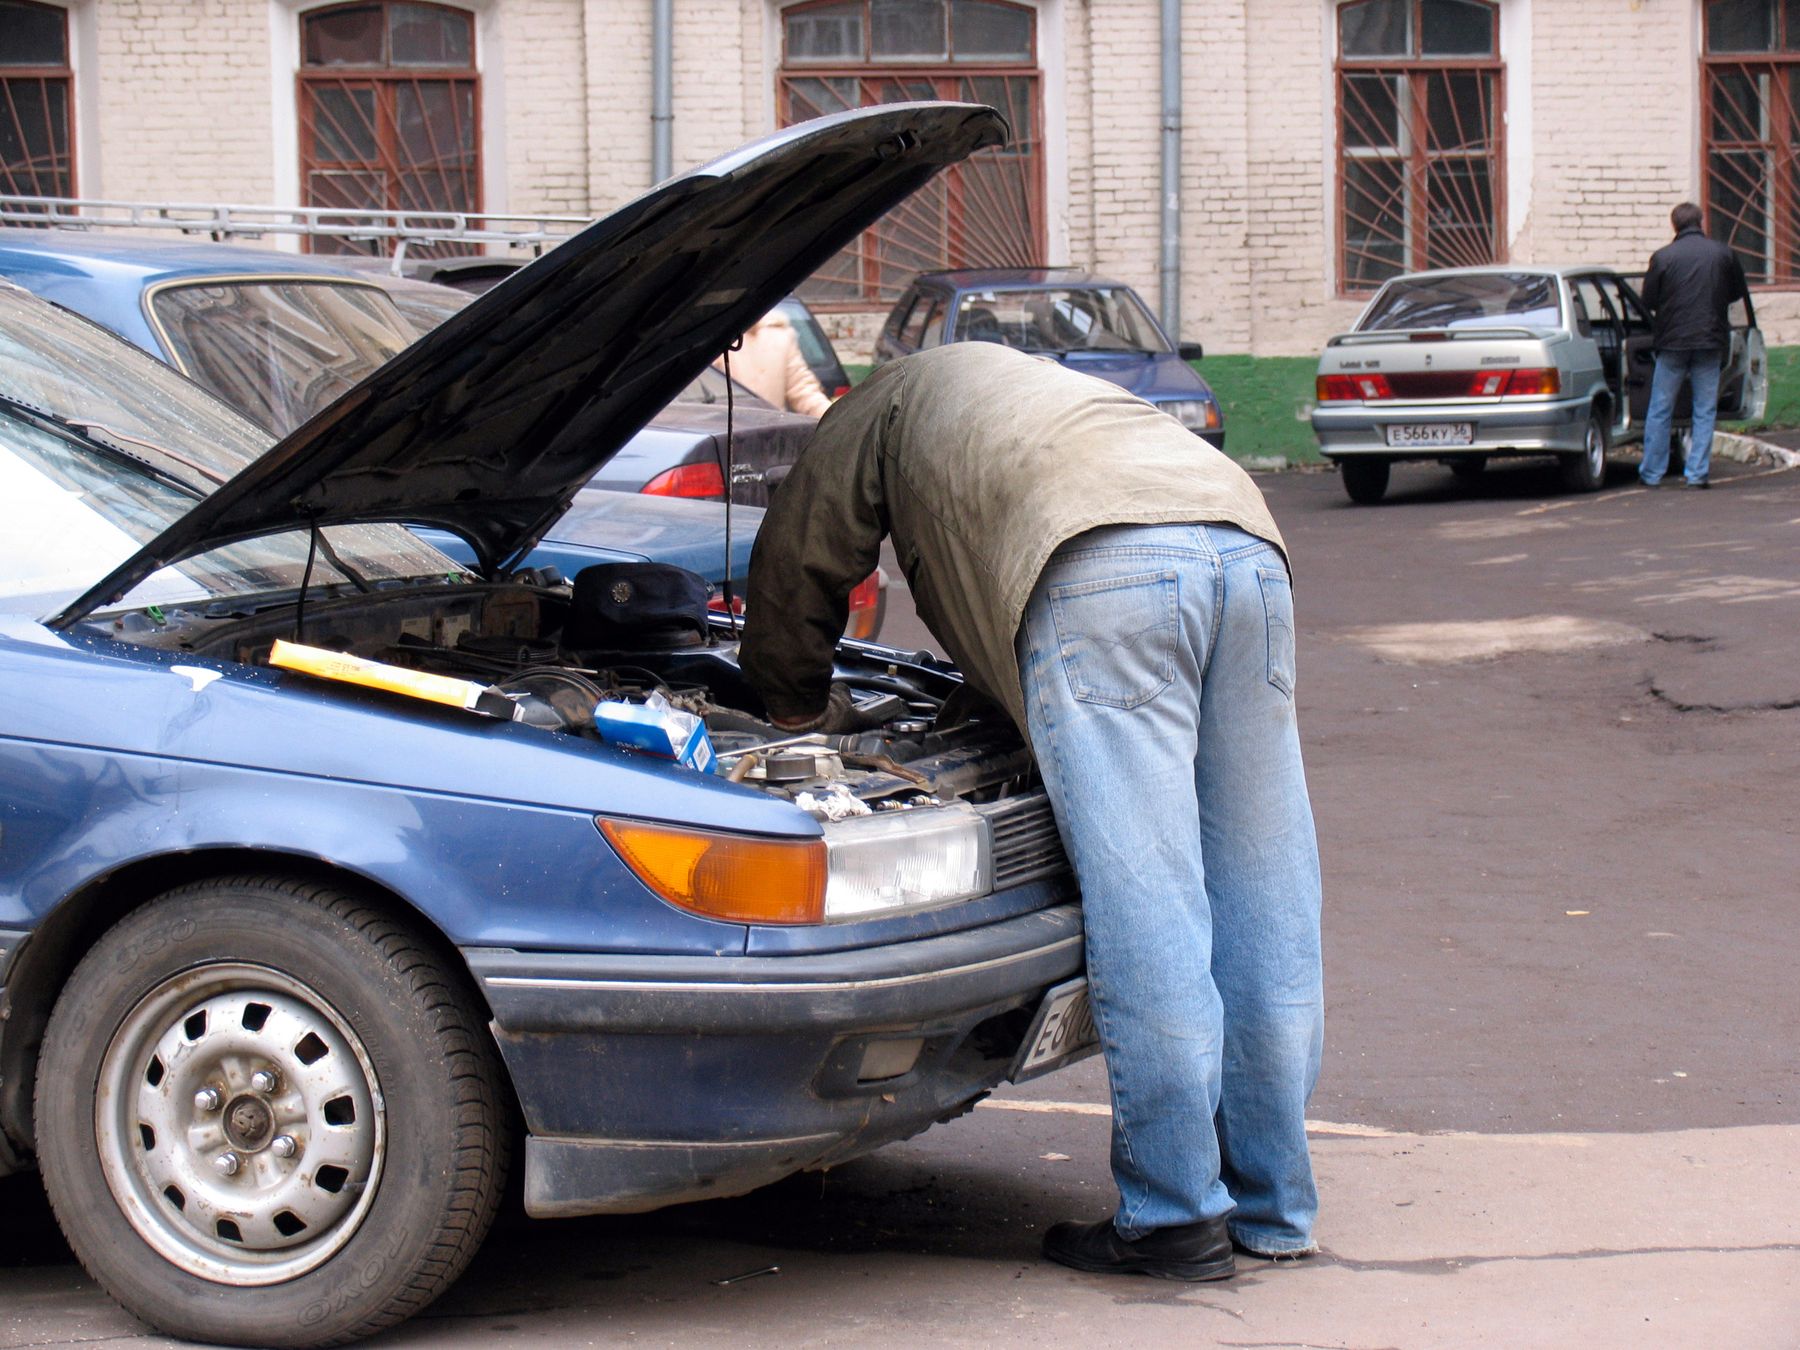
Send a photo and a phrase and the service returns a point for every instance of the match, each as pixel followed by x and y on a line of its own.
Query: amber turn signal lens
pixel 1534 381
pixel 735 877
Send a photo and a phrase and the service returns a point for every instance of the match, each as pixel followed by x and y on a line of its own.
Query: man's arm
pixel 804 392
pixel 822 535
pixel 1651 294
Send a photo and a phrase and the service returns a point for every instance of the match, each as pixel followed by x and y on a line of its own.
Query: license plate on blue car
pixel 1062 1032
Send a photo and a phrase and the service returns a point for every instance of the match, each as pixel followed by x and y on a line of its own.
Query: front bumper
pixel 652 1080
pixel 1499 428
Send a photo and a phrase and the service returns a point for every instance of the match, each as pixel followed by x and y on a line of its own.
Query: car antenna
pixel 735 345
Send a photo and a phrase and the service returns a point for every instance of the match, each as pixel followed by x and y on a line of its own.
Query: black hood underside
pixel 490 424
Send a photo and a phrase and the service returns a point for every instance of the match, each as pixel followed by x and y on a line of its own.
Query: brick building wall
pixel 544 64
pixel 193 100
pixel 181 100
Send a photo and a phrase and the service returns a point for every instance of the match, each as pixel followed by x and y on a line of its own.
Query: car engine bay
pixel 925 738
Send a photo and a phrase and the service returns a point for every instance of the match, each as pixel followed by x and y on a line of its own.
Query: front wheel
pixel 1585 471
pixel 1365 480
pixel 267 1114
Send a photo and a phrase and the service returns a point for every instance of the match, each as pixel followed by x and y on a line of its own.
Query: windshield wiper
pixel 82 433
pixel 210 474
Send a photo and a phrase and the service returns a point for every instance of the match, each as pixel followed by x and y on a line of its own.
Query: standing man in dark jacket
pixel 1118 587
pixel 1690 286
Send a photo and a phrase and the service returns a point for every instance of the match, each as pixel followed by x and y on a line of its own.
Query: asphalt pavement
pixel 1553 743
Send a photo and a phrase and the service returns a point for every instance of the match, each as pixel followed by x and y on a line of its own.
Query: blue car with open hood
pixel 327 859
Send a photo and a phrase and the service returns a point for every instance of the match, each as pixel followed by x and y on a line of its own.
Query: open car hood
pixel 490 424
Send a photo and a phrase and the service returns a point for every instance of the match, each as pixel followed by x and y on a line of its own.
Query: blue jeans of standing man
pixel 1702 368
pixel 1158 669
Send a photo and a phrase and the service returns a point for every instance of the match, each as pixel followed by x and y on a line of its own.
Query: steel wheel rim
pixel 1596 451
pixel 237 1178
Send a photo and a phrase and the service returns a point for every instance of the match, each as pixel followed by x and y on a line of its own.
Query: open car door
pixel 1744 383
pixel 1638 349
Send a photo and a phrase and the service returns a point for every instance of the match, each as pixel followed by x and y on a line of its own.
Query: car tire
pixel 1469 467
pixel 1365 480
pixel 320 1204
pixel 1585 470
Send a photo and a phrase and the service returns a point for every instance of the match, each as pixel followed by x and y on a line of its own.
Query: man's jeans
pixel 1671 369
pixel 1158 671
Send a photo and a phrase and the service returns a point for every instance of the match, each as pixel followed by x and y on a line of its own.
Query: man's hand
pixel 839 717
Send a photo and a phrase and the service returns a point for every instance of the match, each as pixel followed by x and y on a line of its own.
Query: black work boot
pixel 1189 1251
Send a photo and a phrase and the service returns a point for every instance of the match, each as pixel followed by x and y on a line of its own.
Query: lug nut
pixel 283 1146
pixel 265 1081
pixel 208 1099
pixel 227 1163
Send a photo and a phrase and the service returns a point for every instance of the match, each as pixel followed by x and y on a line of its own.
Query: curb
pixel 1750 450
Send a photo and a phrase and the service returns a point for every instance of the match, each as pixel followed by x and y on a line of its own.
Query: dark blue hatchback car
pixel 1089 324
pixel 322 859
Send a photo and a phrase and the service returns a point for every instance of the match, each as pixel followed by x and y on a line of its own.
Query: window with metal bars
pixel 37 94
pixel 1420 170
pixel 390 108
pixel 986 212
pixel 1750 134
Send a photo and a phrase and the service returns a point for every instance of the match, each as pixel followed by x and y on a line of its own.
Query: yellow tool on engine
pixel 348 669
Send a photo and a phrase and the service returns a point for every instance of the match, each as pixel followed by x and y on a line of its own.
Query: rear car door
pixel 1639 349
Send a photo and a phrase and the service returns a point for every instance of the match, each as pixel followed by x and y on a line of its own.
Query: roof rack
pixel 220 222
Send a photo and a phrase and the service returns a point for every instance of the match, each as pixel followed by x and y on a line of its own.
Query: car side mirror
pixel 1190 351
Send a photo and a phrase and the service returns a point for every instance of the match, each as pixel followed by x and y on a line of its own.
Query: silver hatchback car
pixel 1462 365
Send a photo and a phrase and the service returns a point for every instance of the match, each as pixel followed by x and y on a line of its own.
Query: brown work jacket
pixel 979 460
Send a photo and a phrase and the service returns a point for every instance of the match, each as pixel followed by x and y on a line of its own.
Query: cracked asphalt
pixel 1554 745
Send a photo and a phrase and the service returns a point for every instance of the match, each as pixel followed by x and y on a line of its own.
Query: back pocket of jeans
pixel 1117 636
pixel 1278 611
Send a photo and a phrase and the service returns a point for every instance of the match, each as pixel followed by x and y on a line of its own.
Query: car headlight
pixel 905 860
pixel 864 867
pixel 1196 414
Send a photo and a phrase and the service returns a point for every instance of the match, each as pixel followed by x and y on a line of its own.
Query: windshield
pixel 1466 300
pixel 77 371
pixel 69 515
pixel 1100 319
pixel 279 350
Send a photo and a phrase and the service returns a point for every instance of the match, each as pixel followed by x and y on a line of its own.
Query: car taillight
pixel 1543 380
pixel 688 480
pixel 1345 388
pixel 865 607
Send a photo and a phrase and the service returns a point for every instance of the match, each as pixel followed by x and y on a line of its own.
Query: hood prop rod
pixel 730 467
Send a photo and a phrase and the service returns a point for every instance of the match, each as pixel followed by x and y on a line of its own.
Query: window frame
pixel 1779 143
pixel 64 73
pixel 1414 150
pixel 385 79
pixel 944 78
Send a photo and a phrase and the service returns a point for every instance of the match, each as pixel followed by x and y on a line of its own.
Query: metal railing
pixel 221 221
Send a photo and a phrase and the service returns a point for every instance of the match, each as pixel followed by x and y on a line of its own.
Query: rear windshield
pixel 279 351
pixel 1467 300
